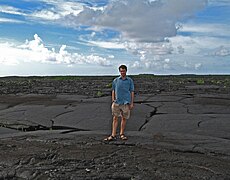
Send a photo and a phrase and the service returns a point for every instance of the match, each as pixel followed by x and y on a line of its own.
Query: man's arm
pixel 132 100
pixel 113 96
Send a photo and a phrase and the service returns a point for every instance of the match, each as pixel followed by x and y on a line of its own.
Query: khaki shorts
pixel 121 110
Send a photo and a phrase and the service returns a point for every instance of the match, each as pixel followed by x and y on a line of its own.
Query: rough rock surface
pixel 53 128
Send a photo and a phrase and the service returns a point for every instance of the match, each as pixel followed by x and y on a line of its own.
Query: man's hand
pixel 131 106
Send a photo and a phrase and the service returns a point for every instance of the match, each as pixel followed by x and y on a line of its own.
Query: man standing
pixel 122 98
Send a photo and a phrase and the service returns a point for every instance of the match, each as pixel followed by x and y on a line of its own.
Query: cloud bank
pixel 11 10
pixel 144 26
pixel 144 34
pixel 35 51
pixel 58 10
pixel 138 20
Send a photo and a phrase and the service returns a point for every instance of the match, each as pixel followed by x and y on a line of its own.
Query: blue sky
pixel 79 37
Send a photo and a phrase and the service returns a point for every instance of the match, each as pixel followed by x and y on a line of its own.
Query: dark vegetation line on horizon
pixel 140 78
pixel 98 86
pixel 74 77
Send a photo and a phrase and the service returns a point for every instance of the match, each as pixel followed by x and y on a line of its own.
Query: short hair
pixel 122 67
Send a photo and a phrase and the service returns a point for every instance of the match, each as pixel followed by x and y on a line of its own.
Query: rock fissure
pixel 148 118
pixel 27 128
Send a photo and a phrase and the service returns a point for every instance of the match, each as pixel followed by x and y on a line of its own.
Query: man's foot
pixel 110 138
pixel 123 137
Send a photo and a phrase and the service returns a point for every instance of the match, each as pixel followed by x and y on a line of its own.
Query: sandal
pixel 123 137
pixel 110 138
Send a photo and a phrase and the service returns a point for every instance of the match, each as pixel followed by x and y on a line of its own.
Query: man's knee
pixel 115 118
pixel 123 119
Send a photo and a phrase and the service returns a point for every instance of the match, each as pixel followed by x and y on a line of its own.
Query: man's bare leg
pixel 114 130
pixel 114 126
pixel 123 125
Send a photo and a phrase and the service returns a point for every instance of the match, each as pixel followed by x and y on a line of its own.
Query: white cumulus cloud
pixel 221 51
pixel 7 20
pixel 144 27
pixel 35 51
pixel 58 9
pixel 11 10
pixel 107 45
pixel 138 20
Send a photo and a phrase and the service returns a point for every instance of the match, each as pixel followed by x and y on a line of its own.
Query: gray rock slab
pixel 73 112
pixel 193 143
pixel 7 131
pixel 208 109
pixel 166 97
pixel 158 115
pixel 71 97
pixel 214 96
pixel 95 114
pixel 216 125
pixel 32 114
pixel 144 97
pixel 3 106
pixel 207 125
pixel 86 115
pixel 212 100
pixel 182 123
pixel 172 108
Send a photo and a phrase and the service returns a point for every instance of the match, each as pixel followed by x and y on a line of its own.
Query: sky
pixel 94 37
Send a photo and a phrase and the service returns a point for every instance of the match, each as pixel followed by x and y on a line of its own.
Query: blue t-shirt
pixel 123 89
